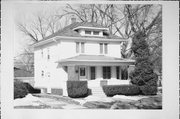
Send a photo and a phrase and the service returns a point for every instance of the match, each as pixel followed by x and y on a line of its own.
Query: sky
pixel 25 13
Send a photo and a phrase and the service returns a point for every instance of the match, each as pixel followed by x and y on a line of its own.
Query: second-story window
pixel 103 48
pixel 80 48
pixel 77 47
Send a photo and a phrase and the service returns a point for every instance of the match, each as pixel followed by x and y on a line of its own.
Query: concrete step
pixel 97 91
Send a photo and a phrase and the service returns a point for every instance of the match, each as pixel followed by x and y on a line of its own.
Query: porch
pixel 97 68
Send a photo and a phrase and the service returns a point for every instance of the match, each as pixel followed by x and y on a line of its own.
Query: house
pixel 80 51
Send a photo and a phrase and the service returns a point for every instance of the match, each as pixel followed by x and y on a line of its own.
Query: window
pixel 42 53
pixel 82 71
pixel 106 72
pixel 77 47
pixel 95 32
pixel 80 47
pixel 117 72
pixel 103 48
pixel 48 74
pixel 88 32
pixel 42 73
pixel 48 55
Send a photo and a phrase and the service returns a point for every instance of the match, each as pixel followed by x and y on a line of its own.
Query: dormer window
pixel 95 32
pixel 87 32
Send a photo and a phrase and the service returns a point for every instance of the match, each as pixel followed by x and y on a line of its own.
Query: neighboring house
pixel 24 68
pixel 80 51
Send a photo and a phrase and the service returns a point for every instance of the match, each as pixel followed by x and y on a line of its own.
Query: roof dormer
pixel 92 31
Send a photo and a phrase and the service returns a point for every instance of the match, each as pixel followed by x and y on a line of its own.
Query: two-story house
pixel 80 51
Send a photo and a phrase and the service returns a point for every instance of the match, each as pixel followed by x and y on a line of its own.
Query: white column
pixel 120 77
pixel 99 73
pixel 113 73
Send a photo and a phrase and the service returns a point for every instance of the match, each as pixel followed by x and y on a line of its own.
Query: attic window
pixel 88 32
pixel 105 34
pixel 95 32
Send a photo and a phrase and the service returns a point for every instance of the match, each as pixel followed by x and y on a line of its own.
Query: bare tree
pixel 39 28
pixel 25 60
pixel 125 21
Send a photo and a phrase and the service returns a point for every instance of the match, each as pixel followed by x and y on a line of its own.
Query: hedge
pixel 111 90
pixel 148 90
pixel 77 89
pixel 21 89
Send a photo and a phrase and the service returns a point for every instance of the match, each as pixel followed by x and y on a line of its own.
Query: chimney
pixel 73 20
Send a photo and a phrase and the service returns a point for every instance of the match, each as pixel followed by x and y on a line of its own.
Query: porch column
pixel 72 73
pixel 113 73
pixel 130 69
pixel 120 74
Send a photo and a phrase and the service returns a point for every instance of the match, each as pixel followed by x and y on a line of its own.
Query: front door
pixel 93 73
pixel 82 72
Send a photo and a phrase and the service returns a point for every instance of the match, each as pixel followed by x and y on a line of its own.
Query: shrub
pixel 20 90
pixel 143 74
pixel 148 90
pixel 77 89
pixel 111 90
pixel 31 89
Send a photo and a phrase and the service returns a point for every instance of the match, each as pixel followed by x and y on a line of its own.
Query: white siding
pixel 63 50
pixel 114 50
pixel 92 48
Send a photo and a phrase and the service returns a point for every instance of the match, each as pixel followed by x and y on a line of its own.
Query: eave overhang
pixel 76 39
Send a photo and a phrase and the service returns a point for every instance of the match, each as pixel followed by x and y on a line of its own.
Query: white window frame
pixel 103 48
pixel 80 47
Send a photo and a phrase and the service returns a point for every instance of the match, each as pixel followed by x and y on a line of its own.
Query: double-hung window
pixel 80 48
pixel 103 48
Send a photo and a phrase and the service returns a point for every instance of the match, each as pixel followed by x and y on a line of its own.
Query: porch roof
pixel 95 60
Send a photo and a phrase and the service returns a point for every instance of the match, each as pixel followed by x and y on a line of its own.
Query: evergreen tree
pixel 143 74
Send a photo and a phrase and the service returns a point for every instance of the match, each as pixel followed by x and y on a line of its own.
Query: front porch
pixel 95 75
pixel 97 68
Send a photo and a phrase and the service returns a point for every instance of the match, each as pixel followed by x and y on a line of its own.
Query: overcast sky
pixel 24 13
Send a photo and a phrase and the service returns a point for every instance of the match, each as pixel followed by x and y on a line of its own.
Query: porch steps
pixel 97 91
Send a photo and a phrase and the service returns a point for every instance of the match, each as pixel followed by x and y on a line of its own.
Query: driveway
pixel 44 101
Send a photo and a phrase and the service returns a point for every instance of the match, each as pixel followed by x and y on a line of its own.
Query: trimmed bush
pixel 20 90
pixel 77 89
pixel 111 90
pixel 148 90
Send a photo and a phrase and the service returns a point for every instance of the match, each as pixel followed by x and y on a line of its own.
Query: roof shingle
pixel 68 31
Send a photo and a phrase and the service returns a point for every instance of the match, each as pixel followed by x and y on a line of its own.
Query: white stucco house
pixel 80 51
